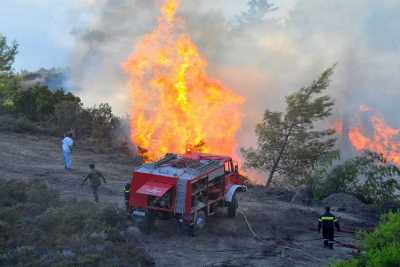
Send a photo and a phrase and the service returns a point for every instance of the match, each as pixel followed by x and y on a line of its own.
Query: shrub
pixel 9 85
pixel 40 110
pixel 71 116
pixel 381 247
pixel 38 103
pixel 39 229
pixel 369 177
pixel 97 122
pixel 103 124
pixel 24 125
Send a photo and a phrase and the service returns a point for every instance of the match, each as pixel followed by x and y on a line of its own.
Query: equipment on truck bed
pixel 188 187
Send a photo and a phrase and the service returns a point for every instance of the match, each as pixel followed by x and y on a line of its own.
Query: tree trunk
pixel 278 159
pixel 271 174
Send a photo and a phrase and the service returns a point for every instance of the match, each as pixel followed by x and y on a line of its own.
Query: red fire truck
pixel 188 187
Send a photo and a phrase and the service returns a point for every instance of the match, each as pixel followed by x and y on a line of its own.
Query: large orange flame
pixel 175 104
pixel 385 139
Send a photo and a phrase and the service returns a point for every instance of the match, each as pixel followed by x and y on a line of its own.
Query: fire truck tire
pixel 147 224
pixel 232 207
pixel 199 223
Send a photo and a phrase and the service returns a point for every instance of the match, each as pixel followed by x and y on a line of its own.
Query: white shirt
pixel 66 144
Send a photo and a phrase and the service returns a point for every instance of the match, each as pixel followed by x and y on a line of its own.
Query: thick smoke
pixel 263 58
pixel 103 45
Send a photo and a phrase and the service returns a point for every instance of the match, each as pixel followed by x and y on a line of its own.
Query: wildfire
pixel 175 104
pixel 338 126
pixel 384 140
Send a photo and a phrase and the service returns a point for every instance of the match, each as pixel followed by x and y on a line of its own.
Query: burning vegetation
pixel 383 140
pixel 175 104
pixel 375 135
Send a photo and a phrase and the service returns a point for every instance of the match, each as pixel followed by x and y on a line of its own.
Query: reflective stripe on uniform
pixel 327 218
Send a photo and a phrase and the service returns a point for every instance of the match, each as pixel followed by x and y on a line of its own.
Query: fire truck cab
pixel 188 187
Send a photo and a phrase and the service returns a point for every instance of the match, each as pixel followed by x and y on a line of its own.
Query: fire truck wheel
pixel 232 207
pixel 199 223
pixel 148 223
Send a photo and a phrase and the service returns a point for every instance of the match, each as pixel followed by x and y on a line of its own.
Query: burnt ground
pixel 282 234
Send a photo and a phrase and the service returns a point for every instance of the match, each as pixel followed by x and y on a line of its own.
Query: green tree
pixel 288 143
pixel 7 54
pixel 35 103
pixel 8 81
pixel 68 114
pixel 9 86
pixel 38 103
pixel 102 125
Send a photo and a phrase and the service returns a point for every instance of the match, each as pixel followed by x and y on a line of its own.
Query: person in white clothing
pixel 67 144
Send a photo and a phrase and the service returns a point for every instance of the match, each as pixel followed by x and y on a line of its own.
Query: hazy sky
pixel 44 28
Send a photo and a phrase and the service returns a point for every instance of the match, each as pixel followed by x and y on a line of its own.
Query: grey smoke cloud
pixel 264 61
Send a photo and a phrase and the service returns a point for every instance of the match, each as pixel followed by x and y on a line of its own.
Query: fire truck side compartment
pixel 138 180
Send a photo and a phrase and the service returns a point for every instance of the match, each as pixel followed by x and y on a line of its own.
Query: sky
pixel 45 29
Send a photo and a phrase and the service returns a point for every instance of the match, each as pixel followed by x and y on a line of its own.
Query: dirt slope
pixel 284 235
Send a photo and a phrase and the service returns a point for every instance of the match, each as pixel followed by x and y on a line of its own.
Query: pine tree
pixel 288 143
pixel 7 54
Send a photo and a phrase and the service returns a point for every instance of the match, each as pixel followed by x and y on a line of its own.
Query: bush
pixel 103 125
pixel 369 177
pixel 71 116
pixel 381 247
pixel 24 125
pixel 41 110
pixel 39 229
pixel 38 103
pixel 97 123
pixel 9 85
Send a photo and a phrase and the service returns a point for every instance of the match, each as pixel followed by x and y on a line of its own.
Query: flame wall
pixel 175 103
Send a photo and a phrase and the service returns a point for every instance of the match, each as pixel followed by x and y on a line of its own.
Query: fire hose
pixel 341 244
pixel 345 230
pixel 248 225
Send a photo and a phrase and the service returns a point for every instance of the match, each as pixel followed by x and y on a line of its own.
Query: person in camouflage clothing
pixel 94 178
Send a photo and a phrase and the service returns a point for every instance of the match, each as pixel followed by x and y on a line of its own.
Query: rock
pixel 133 230
pixel 280 193
pixel 264 193
pixel 302 196
pixel 391 206
pixel 98 236
pixel 68 253
pixel 344 202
